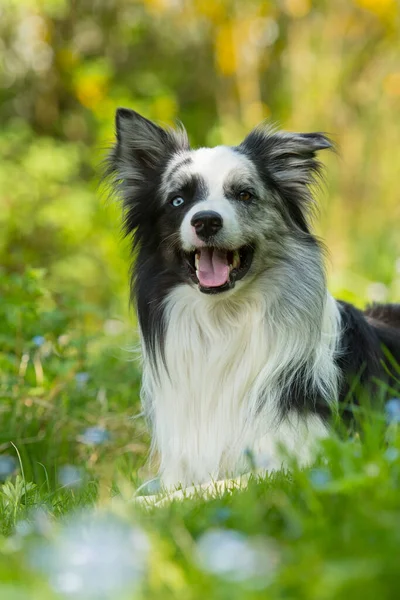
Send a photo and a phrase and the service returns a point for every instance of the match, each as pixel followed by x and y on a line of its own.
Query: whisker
pixel 171 240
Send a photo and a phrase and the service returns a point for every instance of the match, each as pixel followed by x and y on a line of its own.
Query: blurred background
pixel 219 66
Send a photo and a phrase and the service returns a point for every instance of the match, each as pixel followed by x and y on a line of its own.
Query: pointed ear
pixel 289 164
pixel 142 143
pixel 311 142
pixel 293 157
pixel 135 164
pixel 286 154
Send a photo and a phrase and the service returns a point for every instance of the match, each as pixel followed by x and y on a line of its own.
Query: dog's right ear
pixel 142 148
pixel 135 164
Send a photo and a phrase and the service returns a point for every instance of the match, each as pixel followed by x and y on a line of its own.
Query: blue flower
pixel 149 488
pixel 70 476
pixel 320 478
pixel 232 556
pixel 221 514
pixel 95 435
pixel 392 410
pixel 81 379
pixel 93 556
pixel 8 465
pixel 38 340
pixel 391 454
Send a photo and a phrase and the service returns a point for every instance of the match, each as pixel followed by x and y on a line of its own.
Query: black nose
pixel 206 223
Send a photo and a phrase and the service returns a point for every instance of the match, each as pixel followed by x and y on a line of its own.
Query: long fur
pixel 264 361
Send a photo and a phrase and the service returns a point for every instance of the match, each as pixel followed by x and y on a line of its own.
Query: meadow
pixel 73 441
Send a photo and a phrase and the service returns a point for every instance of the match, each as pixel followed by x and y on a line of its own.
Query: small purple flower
pixel 38 340
pixel 392 410
pixel 95 435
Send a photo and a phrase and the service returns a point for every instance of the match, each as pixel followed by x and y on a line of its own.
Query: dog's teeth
pixel 236 259
pixel 196 260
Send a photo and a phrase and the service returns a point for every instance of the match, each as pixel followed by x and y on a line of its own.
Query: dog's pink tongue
pixel 213 269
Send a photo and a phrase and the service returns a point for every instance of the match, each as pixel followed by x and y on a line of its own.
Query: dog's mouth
pixel 217 270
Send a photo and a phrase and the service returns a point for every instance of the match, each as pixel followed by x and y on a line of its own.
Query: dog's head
pixel 214 216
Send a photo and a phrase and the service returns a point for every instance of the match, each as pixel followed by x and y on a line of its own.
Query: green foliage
pixel 328 531
pixel 60 375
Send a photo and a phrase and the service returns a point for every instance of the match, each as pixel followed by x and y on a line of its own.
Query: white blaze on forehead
pixel 215 164
pixel 177 162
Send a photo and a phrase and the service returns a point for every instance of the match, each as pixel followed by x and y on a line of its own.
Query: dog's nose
pixel 206 223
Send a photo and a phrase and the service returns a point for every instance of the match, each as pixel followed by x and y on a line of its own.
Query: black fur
pixel 135 166
pixel 288 165
pixel 277 155
pixel 367 338
pixel 368 359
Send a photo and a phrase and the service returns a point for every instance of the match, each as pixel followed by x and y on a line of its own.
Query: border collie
pixel 244 349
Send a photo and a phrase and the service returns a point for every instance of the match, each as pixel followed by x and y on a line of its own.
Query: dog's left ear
pixel 289 163
pixel 288 157
pixel 293 156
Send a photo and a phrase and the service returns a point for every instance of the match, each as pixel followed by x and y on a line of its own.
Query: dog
pixel 244 349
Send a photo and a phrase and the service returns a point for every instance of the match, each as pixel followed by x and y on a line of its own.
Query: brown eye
pixel 245 196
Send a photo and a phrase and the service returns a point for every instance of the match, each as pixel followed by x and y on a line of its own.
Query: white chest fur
pixel 219 394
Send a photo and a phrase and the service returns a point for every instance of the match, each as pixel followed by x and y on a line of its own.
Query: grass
pixel 73 452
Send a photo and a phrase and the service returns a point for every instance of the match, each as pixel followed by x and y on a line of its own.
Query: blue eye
pixel 177 201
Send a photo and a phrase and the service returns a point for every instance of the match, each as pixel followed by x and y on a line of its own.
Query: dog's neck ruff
pixel 224 383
